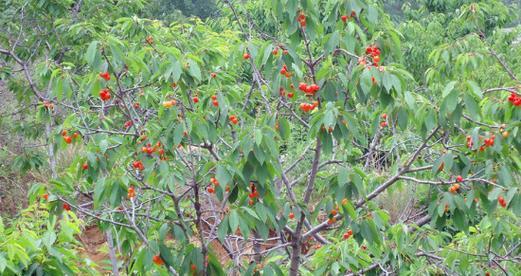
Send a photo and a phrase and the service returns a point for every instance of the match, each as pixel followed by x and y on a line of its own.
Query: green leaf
pixel 472 107
pixel 448 88
pixel 403 118
pixel 258 137
pixel 234 220
pixel 284 128
pixel 223 229
pixel 332 43
pixel 223 175
pixel 194 70
pixel 450 102
pixel 92 50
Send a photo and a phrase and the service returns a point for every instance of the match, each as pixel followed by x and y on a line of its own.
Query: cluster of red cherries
pixel 515 99
pixel 488 142
pixel 254 194
pixel 215 183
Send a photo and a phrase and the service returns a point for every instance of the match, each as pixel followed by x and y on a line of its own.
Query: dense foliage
pixel 280 137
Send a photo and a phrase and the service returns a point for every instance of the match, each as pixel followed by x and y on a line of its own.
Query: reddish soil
pixel 95 247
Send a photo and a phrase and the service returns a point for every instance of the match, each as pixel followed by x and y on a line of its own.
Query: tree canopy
pixel 294 137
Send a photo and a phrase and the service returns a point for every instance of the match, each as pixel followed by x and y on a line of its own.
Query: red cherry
pixel 459 179
pixel 246 56
pixel 302 87
pixel 275 51
pixel 211 190
pixel 85 166
pixel 215 103
pixel 66 207
pixel 46 197
pixel 213 75
pixel 383 124
pixel 291 215
pixel 502 201
pixel 64 132
pixel 138 165
pixel 284 70
pixel 128 124
pixel 105 75
pixel 104 94
pixel 302 19
pixel 290 95
pixel 344 18
pixel 214 97
pixel 195 99
pixel 158 260
pixel 193 267
pixel 384 116
pixel 314 88
pixel 67 139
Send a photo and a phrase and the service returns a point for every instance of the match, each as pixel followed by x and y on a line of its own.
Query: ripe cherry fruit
pixel 246 56
pixel 131 193
pixel 45 197
pixel 459 179
pixel 233 119
pixel 66 207
pixel 213 75
pixel 67 139
pixel 291 215
pixel 138 165
pixel 85 166
pixel 344 18
pixel 501 200
pixel 158 260
pixel 302 19
pixel 454 188
pixel 195 99
pixel 104 94
pixel 105 75
pixel 348 234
